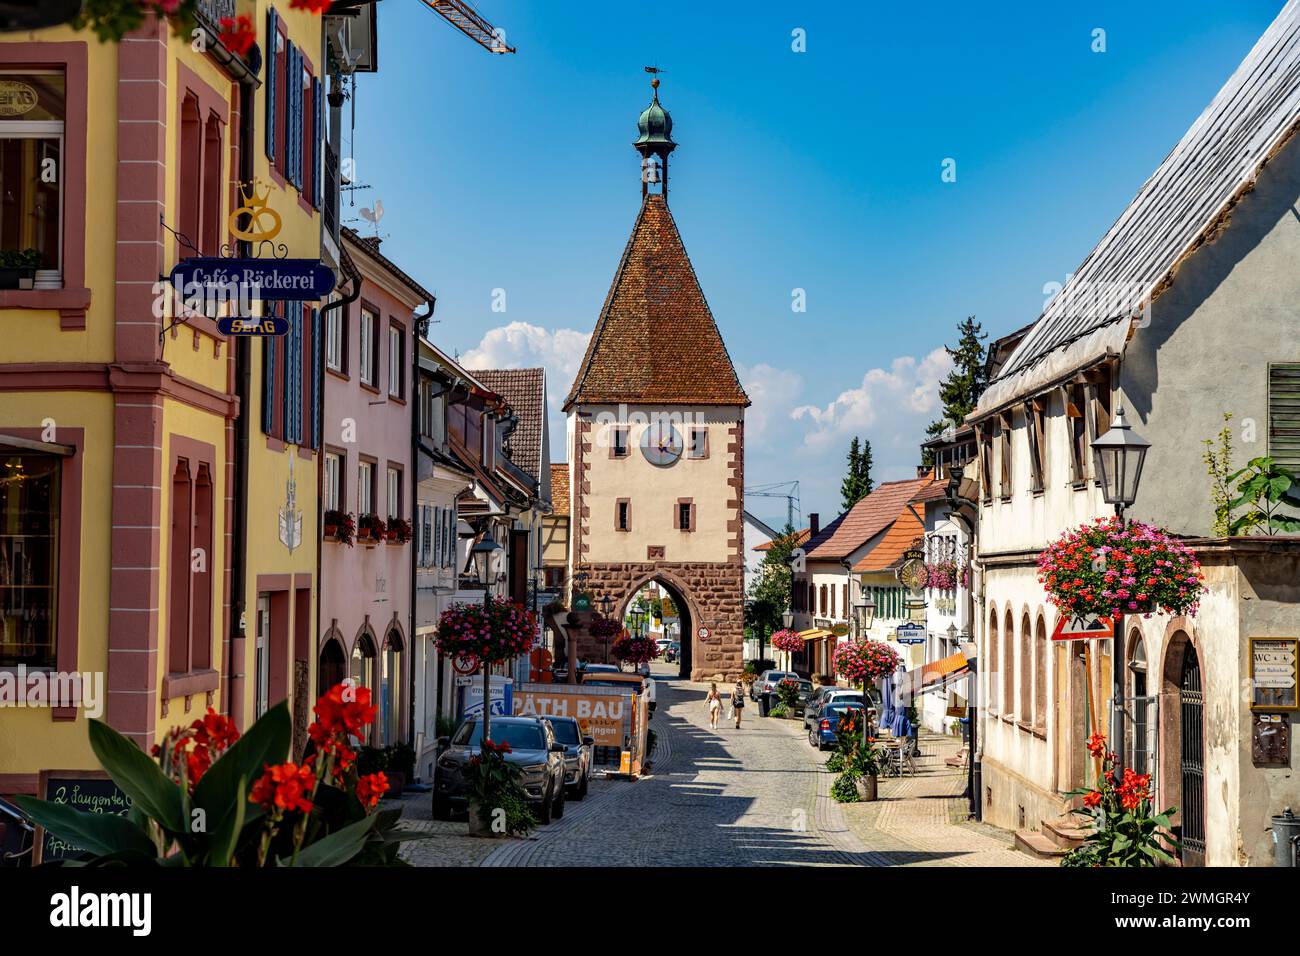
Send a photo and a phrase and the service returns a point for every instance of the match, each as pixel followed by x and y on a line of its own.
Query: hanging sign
pixel 1273 673
pixel 910 633
pixel 263 325
pixel 297 280
pixel 1082 629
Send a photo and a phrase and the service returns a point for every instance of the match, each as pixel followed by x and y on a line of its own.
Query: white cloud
pixel 772 392
pixel 520 345
pixel 895 402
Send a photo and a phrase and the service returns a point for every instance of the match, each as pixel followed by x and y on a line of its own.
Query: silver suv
pixel 533 748
pixel 577 754
pixel 767 681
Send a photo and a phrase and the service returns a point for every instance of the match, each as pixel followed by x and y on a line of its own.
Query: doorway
pixel 1192 759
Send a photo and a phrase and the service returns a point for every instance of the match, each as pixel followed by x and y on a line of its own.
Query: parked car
pixel 661 645
pixel 823 698
pixel 533 748
pixel 767 682
pixel 805 695
pixel 822 734
pixel 578 750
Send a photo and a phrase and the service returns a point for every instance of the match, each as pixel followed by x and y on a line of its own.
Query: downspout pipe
pixel 237 559
pixel 420 323
pixel 966 511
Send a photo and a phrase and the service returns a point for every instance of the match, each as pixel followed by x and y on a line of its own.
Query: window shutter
pixel 1284 414
pixel 268 383
pixel 317 139
pixel 293 158
pixel 317 385
pixel 293 375
pixel 272 31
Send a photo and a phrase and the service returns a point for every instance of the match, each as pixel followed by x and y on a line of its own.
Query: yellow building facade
pixel 121 549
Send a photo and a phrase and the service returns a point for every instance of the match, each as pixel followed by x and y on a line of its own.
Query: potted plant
pixel 18 268
pixel 866 662
pixel 491 633
pixel 1109 569
pixel 370 528
pixel 1124 830
pixel 787 693
pixel 399 530
pixel 259 807
pixel 340 526
pixel 497 803
pixel 630 649
pixel 857 762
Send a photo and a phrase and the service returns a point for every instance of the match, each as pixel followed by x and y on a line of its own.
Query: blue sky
pixel 818 170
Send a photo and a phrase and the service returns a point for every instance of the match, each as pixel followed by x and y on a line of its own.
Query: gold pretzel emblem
pixel 256 207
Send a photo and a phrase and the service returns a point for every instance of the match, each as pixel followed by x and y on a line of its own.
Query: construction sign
pixel 1083 628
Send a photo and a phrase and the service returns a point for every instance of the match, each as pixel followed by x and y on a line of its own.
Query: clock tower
pixel 656 436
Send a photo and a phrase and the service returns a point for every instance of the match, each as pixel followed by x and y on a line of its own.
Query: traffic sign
pixel 1070 628
pixel 910 633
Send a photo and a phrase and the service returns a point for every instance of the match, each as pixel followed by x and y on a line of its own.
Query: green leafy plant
pixel 845 787
pixel 1218 465
pixel 856 755
pixel 787 692
pixel 1264 488
pixel 835 762
pixel 1124 829
pixel 780 710
pixel 213 798
pixel 493 783
pixel 21 258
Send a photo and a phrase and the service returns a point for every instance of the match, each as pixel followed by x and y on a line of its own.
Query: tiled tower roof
pixel 656 341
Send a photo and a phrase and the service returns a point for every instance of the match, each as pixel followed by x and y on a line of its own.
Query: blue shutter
pixel 272 31
pixel 317 138
pixel 295 86
pixel 293 391
pixel 290 113
pixel 290 341
pixel 268 383
pixel 317 361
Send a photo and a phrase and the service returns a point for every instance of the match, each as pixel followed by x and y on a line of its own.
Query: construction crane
pixel 789 490
pixel 467 20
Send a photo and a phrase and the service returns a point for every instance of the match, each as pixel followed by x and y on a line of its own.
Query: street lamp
pixel 952 635
pixel 787 618
pixel 482 554
pixel 864 611
pixel 1119 455
pixel 605 603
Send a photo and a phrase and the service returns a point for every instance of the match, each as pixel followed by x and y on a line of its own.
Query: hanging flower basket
pixel 865 662
pixel 633 650
pixel 603 627
pixel 1105 569
pixel 787 640
pixel 502 631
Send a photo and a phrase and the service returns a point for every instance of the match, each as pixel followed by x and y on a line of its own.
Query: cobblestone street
pixel 750 797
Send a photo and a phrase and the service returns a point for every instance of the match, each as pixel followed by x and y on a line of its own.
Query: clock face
pixel 661 443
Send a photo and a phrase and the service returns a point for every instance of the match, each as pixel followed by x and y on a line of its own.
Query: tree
pixel 857 483
pixel 966 382
pixel 769 595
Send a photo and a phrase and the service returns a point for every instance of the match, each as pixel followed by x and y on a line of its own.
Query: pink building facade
pixel 367 486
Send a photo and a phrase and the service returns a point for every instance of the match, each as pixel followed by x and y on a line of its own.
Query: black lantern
pixel 1119 455
pixel 482 554
pixel 864 610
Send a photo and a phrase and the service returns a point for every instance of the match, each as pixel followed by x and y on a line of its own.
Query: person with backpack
pixel 738 701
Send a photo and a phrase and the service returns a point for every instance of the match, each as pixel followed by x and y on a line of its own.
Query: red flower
pixel 237 34
pixel 344 709
pixel 371 788
pixel 1097 745
pixel 286 786
pixel 1092 798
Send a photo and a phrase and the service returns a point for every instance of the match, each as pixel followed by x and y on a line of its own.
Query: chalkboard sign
pixel 91 791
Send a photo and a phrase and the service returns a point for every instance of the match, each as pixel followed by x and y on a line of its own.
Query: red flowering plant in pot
pixel 631 649
pixel 491 633
pixel 340 526
pixel 866 662
pixel 787 640
pixel 1124 829
pixel 1107 569
pixel 604 627
pixel 213 797
pixel 399 530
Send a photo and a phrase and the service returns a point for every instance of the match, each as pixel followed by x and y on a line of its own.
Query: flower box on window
pixel 399 530
pixel 371 529
pixel 340 526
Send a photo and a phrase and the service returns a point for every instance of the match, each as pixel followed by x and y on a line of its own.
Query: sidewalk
pixel 920 819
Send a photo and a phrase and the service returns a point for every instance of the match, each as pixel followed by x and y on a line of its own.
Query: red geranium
pixel 371 788
pixel 237 34
pixel 787 640
pixel 286 786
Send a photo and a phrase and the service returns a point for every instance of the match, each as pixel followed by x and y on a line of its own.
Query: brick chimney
pixel 814 524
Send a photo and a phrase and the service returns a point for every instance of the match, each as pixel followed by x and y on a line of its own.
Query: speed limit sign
pixel 703 633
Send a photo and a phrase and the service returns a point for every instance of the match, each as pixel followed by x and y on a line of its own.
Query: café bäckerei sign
pixel 204 283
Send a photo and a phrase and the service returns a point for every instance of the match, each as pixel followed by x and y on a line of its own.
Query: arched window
pixel 1009 665
pixel 991 643
pixel 1026 669
pixel 363 661
pixel 333 665
pixel 390 688
pixel 1040 675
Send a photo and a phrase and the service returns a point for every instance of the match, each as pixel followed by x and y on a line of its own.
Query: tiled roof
pixel 560 488
pixel 800 537
pixel 656 341
pixel 1185 200
pixel 524 390
pixel 907 527
pixel 866 519
pixel 934 491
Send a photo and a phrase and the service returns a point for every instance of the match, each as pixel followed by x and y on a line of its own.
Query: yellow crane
pixel 467 20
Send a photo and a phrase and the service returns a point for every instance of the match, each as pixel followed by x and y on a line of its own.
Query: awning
pixel 938 674
pixel 815 634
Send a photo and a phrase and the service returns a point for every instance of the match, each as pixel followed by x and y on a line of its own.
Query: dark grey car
pixel 577 754
pixel 533 748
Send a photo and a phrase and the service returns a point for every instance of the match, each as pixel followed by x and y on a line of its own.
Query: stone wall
pixel 713 595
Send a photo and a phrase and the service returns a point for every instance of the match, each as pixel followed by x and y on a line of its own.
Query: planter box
pixel 867 787
pixel 17 277
pixel 480 826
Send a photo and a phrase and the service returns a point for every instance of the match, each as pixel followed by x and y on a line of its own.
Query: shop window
pixel 32 110
pixel 29 560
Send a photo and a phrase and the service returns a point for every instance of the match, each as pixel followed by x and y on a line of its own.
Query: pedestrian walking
pixel 738 701
pixel 714 703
